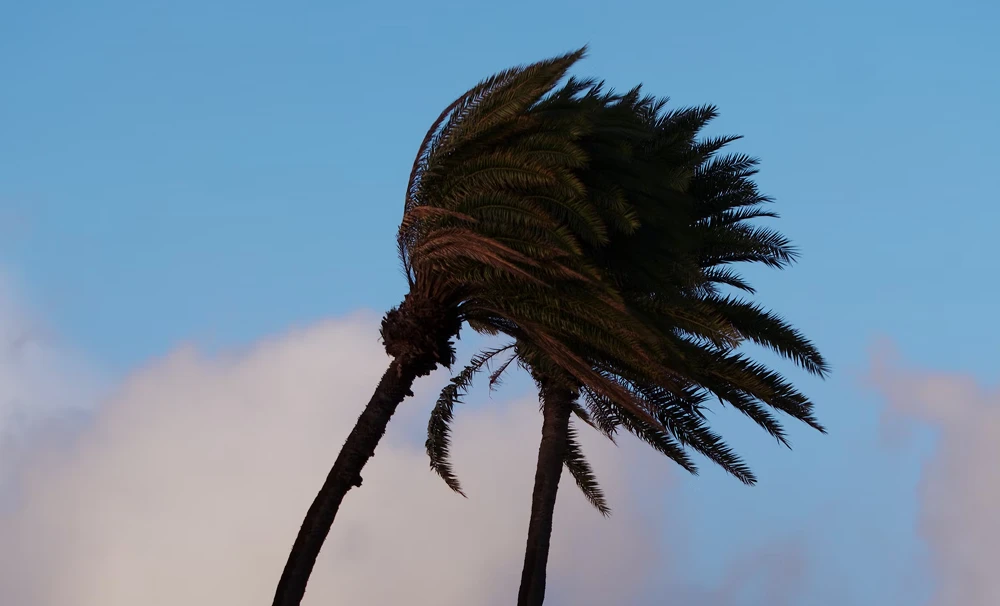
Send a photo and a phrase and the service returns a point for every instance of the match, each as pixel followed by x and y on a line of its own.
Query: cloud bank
pixel 188 484
pixel 960 485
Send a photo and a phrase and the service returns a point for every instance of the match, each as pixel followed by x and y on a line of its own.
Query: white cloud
pixel 189 483
pixel 960 484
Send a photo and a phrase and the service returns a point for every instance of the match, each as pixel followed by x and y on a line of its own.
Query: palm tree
pixel 694 208
pixel 495 225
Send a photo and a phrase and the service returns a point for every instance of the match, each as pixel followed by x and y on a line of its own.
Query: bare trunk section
pixel 345 474
pixel 556 405
pixel 418 335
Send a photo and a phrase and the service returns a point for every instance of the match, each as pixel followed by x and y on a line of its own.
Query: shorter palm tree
pixel 694 208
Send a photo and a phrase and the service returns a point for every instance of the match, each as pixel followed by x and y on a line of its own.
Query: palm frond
pixel 438 444
pixel 583 474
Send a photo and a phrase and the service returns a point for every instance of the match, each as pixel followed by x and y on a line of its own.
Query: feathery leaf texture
pixel 662 216
pixel 438 442
pixel 577 465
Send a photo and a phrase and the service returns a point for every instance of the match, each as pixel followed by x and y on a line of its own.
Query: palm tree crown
pixel 694 209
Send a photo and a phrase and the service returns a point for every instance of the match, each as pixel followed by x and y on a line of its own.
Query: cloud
pixel 960 484
pixel 776 574
pixel 41 381
pixel 188 483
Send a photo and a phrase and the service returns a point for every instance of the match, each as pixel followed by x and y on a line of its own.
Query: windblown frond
pixel 765 328
pixel 583 474
pixel 601 231
pixel 438 442
pixel 488 151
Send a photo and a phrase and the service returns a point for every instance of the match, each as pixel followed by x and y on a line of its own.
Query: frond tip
pixel 581 471
pixel 438 442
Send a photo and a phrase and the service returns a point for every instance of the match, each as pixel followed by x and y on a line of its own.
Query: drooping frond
pixel 438 442
pixel 765 328
pixel 582 414
pixel 601 230
pixel 496 377
pixel 740 381
pixel 583 474
pixel 683 420
pixel 659 439
pixel 695 210
pixel 581 370
pixel 728 277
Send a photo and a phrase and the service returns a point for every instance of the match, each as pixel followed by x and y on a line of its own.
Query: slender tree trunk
pixel 556 404
pixel 418 335
pixel 345 474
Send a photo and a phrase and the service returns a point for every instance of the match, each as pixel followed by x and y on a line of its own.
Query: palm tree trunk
pixel 556 404
pixel 345 474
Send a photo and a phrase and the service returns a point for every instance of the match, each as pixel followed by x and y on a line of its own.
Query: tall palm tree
pixel 694 208
pixel 495 225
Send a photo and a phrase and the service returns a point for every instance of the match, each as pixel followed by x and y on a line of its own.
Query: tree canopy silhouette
pixel 495 232
pixel 694 208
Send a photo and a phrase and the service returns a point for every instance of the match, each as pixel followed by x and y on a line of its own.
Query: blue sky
pixel 220 172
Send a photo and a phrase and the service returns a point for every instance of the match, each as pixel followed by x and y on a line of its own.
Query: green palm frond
pixel 728 277
pixel 683 420
pixel 659 439
pixel 600 230
pixel 438 444
pixel 767 329
pixel 577 465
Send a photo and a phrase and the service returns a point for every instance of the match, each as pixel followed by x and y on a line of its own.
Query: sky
pixel 198 204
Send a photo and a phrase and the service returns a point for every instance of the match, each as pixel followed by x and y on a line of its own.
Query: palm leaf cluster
pixel 494 205
pixel 506 201
pixel 695 208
